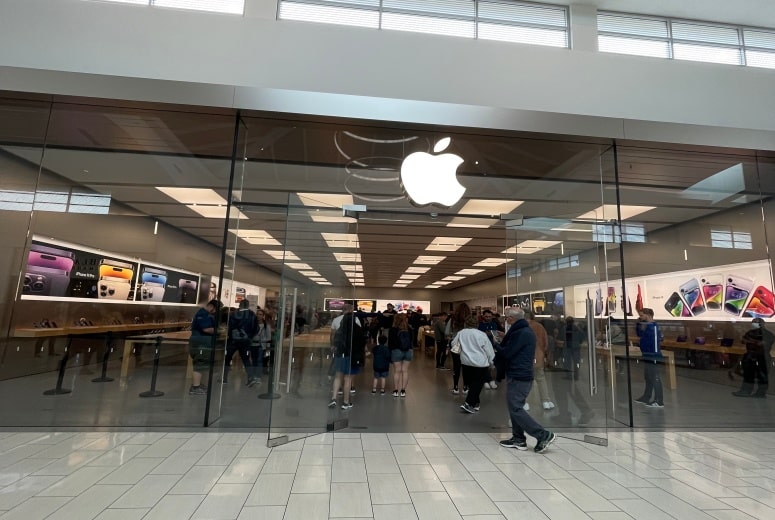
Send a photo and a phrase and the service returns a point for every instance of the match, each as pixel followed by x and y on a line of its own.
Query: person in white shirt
pixel 476 357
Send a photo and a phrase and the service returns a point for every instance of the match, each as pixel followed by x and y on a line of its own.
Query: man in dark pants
pixel 439 335
pixel 758 342
pixel 650 338
pixel 517 354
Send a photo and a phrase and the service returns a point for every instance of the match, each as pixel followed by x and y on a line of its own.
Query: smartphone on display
pixel 690 291
pixel 50 257
pixel 113 288
pixel 738 288
pixel 611 305
pixel 151 275
pixel 116 269
pixel 187 290
pixel 762 304
pixel 677 307
pixel 713 292
pixel 44 281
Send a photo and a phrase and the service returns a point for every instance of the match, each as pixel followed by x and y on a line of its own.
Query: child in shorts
pixel 381 356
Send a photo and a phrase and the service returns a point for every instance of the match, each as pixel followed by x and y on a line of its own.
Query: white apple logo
pixel 432 179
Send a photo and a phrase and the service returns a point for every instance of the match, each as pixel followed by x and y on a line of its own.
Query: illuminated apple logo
pixel 432 179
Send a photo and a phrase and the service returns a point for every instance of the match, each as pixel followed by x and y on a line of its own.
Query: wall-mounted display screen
pixel 56 270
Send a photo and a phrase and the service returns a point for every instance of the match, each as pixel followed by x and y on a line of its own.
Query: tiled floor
pixel 210 475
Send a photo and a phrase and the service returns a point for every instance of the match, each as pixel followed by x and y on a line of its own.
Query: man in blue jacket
pixel 650 338
pixel 517 354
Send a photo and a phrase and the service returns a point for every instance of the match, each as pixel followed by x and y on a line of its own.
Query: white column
pixel 583 27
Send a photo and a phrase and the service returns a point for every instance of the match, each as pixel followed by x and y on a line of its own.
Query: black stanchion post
pixel 153 392
pixel 60 379
pixel 108 347
pixel 270 393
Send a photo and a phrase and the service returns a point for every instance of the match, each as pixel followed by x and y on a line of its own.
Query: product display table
pixel 167 338
pixel 617 351
pixel 95 329
pixel 706 347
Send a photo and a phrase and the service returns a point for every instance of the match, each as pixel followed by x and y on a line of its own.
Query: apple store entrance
pixel 363 216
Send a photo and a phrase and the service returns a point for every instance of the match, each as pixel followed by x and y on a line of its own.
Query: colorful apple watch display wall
pixel 58 270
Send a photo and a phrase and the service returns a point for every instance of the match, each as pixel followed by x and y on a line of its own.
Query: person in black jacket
pixel 349 353
pixel 758 342
pixel 381 357
pixel 517 353
pixel 243 325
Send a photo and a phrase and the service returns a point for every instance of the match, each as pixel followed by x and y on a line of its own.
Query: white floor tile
pixel 582 495
pixel 602 485
pixel 224 502
pixel 394 512
pixel 434 506
pixel 147 492
pixel 242 471
pixel 421 478
pixel 78 482
pixel 521 511
pixel 162 448
pixel 176 464
pixel 449 468
pixel 308 507
pixel 348 447
pixel 640 509
pixel 497 487
pixel 316 455
pixel 555 505
pixel 118 456
pixel 375 442
pixel 198 481
pixel 282 462
pixel 271 490
pixel 388 489
pixel 348 470
pixel 474 460
pixel 262 512
pixel 523 477
pixel 687 493
pixel 751 507
pixel 350 500
pixel 218 455
pixel 133 471
pixel 179 507
pixel 379 462
pixel 409 454
pixel 122 514
pixel 312 479
pixel 16 493
pixel 89 504
pixel 35 507
pixel 470 498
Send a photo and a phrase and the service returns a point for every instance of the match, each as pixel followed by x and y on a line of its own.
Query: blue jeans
pixel 521 422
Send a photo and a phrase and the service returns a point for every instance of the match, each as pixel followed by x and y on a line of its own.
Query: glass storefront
pixel 123 220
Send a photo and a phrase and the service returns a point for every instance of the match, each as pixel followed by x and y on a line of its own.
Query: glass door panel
pixel 558 272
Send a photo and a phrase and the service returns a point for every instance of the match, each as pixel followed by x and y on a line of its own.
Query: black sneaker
pixel 197 390
pixel 519 444
pixel 544 443
pixel 466 408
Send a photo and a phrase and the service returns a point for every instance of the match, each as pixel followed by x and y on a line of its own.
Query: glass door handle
pixel 591 346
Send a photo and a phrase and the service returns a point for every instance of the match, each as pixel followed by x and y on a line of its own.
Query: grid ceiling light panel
pixel 441 282
pixel 309 273
pixel 297 265
pixel 340 240
pixel 493 208
pixel 469 222
pixel 468 272
pixel 279 254
pixel 432 286
pixel 608 212
pixel 453 278
pixel 410 276
pixel 528 247
pixel 194 196
pixel 329 218
pixel 216 211
pixel 358 284
pixel 256 237
pixel 325 200
pixel 325 283
pixel 352 267
pixel 347 257
pixel 318 279
pixel 491 262
pixel 428 260
pixel 420 270
pixel 447 243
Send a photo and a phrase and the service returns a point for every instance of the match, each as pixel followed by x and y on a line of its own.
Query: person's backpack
pixel 239 329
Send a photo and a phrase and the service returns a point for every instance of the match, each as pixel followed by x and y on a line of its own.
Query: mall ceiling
pixel 554 183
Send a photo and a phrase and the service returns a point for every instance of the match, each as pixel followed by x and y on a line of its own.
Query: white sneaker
pixel 526 407
pixel 548 405
pixel 493 385
pixel 487 385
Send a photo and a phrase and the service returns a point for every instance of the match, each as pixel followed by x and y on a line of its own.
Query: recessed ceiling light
pixel 442 282
pixel 341 240
pixel 417 269
pixel 317 279
pixel 329 217
pixel 325 200
pixel 452 278
pixel 608 212
pixel 279 254
pixel 352 267
pixel 528 247
pixel 432 286
pixel 447 243
pixel 491 262
pixel 428 260
pixel 399 285
pixel 358 284
pixel 353 258
pixel 324 283
pixel 216 211
pixel 310 273
pixel 187 196
pixel 468 272
pixel 256 237
pixel 470 222
pixel 297 265
pixel 490 207
pixel 410 276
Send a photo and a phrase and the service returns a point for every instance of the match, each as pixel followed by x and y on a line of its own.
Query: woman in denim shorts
pixel 400 343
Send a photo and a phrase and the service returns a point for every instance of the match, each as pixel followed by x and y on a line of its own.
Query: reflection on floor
pixel 211 475
pixel 702 399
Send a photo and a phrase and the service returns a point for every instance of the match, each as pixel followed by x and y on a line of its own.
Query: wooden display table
pixel 617 351
pixel 95 329
pixel 176 338
pixel 707 347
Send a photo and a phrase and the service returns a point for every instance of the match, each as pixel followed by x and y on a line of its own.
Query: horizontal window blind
pixel 685 40
pixel 501 20
pixel 214 6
